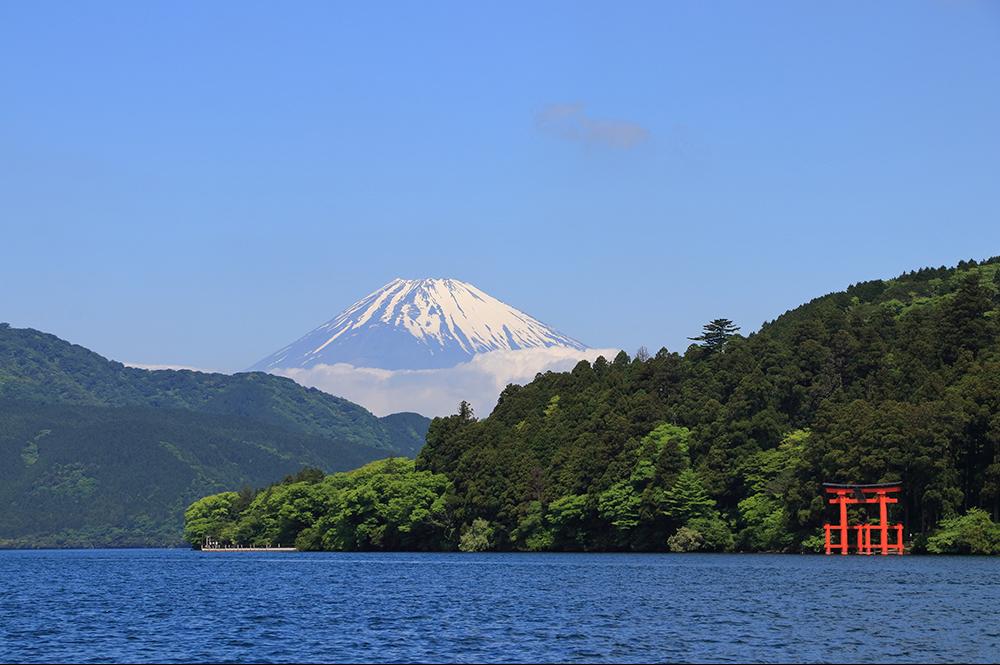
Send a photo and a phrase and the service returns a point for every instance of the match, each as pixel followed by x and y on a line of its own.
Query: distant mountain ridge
pixel 40 367
pixel 78 430
pixel 418 324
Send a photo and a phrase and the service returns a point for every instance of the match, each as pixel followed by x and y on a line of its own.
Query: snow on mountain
pixel 418 324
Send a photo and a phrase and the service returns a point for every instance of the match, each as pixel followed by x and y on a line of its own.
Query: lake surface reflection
pixel 176 605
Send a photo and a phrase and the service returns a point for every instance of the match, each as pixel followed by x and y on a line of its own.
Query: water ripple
pixel 181 606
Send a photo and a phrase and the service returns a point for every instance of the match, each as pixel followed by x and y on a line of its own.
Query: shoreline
pixel 506 552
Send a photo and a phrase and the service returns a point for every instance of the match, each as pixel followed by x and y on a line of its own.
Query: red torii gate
pixel 846 495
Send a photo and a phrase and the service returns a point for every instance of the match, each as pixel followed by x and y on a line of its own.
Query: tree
pixel 685 540
pixel 209 517
pixel 687 499
pixel 569 516
pixel 766 523
pixel 533 533
pixel 309 474
pixel 964 324
pixel 465 411
pixel 386 505
pixel 619 505
pixel 715 533
pixel 478 537
pixel 972 533
pixel 716 334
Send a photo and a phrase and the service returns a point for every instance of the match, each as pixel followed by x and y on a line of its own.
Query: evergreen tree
pixel 716 333
pixel 963 319
pixel 687 499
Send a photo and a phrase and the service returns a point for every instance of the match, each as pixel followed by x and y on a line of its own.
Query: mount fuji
pixel 415 325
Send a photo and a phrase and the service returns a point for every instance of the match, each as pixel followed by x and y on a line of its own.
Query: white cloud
pixel 437 392
pixel 155 367
pixel 573 123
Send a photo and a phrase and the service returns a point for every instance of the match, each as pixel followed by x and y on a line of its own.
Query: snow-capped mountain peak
pixel 418 324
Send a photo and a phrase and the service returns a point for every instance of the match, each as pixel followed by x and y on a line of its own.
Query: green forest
pixel 97 454
pixel 41 368
pixel 722 448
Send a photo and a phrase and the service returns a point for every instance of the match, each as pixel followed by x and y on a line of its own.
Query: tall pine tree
pixel 716 333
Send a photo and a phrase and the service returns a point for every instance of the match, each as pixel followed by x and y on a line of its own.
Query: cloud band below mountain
pixel 437 392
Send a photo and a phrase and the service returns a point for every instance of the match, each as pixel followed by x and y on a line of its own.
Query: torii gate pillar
pixel 845 495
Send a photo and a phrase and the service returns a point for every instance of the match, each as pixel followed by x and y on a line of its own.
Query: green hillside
pixel 39 367
pixel 95 453
pixel 122 476
pixel 725 446
pixel 406 431
pixel 888 380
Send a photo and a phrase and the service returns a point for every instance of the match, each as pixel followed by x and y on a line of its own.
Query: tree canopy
pixel 724 447
pixel 716 334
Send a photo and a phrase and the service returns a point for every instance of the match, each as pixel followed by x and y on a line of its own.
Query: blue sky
pixel 201 183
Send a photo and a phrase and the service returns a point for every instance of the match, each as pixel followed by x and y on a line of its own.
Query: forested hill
pixel 95 453
pixel 888 380
pixel 724 447
pixel 39 367
pixel 85 476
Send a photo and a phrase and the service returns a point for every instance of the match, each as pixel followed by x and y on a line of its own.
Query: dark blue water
pixel 170 605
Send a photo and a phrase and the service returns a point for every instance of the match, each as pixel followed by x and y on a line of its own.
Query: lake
pixel 179 605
